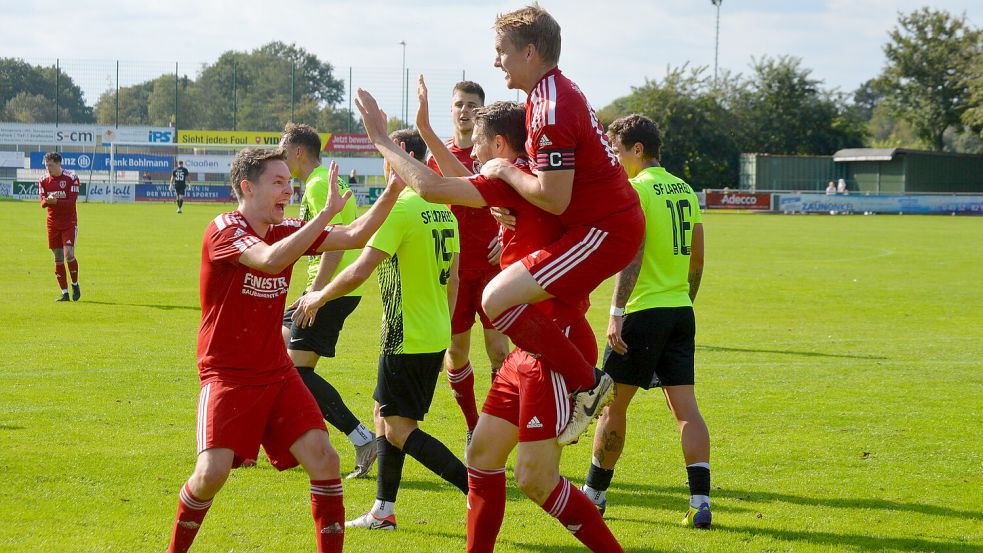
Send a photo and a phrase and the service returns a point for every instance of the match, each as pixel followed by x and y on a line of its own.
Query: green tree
pixel 31 108
pixel 133 102
pixel 18 76
pixel 699 134
pixel 785 111
pixel 929 56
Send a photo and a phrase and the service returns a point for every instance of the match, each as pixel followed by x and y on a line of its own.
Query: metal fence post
pixel 350 117
pixel 175 98
pixel 293 79
pixel 235 105
pixel 57 84
pixel 117 94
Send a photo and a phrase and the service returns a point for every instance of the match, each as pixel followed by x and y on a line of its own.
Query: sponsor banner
pixel 100 162
pixel 12 159
pixel 101 192
pixel 887 203
pixel 236 138
pixel 755 201
pixel 6 189
pixel 348 143
pixel 25 190
pixel 207 164
pixel 47 134
pixel 202 193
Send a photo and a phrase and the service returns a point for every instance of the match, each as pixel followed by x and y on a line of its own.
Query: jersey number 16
pixel 678 211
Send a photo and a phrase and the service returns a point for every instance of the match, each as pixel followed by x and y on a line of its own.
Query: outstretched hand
pixel 374 119
pixel 423 111
pixel 335 201
pixel 305 309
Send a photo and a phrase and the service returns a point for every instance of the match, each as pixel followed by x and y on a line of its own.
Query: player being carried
pixel 416 252
pixel 306 346
pixel 527 404
pixel 576 176
pixel 58 193
pixel 251 395
pixel 651 333
pixel 479 250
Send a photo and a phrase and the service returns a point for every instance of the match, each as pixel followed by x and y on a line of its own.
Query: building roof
pixel 867 154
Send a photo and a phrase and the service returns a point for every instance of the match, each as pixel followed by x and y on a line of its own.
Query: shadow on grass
pixel 860 541
pixel 669 496
pixel 150 305
pixel 789 352
pixel 574 547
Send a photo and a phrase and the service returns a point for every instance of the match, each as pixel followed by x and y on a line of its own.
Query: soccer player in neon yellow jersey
pixel 302 147
pixel 416 253
pixel 651 332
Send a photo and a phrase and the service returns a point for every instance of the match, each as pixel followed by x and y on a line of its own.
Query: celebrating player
pixel 306 346
pixel 527 404
pixel 479 249
pixel 651 332
pixel 577 177
pixel 179 183
pixel 251 395
pixel 58 193
pixel 416 252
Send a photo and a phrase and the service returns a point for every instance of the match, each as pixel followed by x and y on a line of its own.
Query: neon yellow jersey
pixel 314 197
pixel 671 209
pixel 421 239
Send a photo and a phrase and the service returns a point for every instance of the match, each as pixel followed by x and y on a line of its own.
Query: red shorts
pixel 584 257
pixel 532 398
pixel 60 238
pixel 241 418
pixel 470 286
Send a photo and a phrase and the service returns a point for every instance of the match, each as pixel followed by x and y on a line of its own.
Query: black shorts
pixel 322 336
pixel 406 382
pixel 179 188
pixel 661 347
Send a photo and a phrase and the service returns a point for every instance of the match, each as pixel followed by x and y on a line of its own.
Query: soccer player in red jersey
pixel 251 394
pixel 58 193
pixel 577 176
pixel 479 249
pixel 527 404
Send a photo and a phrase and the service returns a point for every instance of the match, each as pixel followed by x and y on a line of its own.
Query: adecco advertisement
pixel 739 200
pixel 48 134
pixel 922 204
pixel 163 193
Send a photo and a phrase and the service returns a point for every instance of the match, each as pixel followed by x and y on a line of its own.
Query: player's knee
pixel 490 303
pixel 59 255
pixel 396 434
pixel 535 479
pixel 210 478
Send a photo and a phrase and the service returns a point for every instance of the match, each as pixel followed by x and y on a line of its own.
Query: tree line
pixel 929 95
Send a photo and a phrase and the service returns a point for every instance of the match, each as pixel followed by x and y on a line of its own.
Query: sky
pixel 606 51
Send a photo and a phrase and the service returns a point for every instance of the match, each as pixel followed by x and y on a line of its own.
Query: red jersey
pixel 563 133
pixel 476 225
pixel 61 215
pixel 239 338
pixel 534 229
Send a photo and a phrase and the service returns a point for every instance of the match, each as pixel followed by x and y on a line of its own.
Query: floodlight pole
pixel 716 48
pixel 402 77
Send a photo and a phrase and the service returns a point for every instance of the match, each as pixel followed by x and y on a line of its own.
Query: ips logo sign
pixel 162 137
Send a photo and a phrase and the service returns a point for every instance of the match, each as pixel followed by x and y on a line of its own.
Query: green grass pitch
pixel 840 370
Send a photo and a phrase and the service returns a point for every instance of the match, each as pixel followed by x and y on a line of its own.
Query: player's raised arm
pixel 357 233
pixel 274 258
pixel 429 185
pixel 448 163
pixel 350 278
pixel 549 190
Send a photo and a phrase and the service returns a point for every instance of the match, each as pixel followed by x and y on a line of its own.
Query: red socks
pixel 535 332
pixel 61 276
pixel 580 516
pixel 462 383
pixel 73 269
pixel 190 513
pixel 328 508
pixel 486 508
